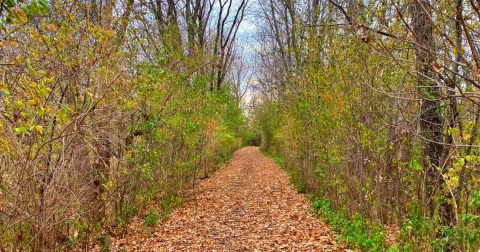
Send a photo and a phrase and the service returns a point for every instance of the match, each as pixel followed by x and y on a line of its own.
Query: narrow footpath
pixel 249 205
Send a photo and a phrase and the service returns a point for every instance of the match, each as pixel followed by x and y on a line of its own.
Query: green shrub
pixel 104 243
pixel 301 186
pixel 356 232
pixel 275 158
pixel 170 202
pixel 151 219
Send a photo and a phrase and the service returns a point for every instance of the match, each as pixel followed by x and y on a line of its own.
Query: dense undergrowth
pixel 373 112
pixel 353 231
pixel 359 231
pixel 106 113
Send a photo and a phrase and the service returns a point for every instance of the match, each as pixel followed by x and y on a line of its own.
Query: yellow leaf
pixel 41 111
pixel 31 102
pixel 19 103
pixel 39 129
pixel 20 14
pixel 110 33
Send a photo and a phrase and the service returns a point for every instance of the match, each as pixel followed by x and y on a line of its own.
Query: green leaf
pixel 151 124
pixel 21 129
pixel 63 115
pixel 414 165
pixel 5 91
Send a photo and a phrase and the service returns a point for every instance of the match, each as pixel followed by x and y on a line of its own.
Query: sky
pixel 249 42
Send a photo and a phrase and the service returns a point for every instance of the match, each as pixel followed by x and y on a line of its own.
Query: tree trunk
pixel 431 121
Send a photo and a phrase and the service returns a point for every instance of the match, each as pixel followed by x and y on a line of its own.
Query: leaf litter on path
pixel 249 205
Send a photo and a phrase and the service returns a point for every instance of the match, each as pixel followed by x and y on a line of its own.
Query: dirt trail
pixel 248 205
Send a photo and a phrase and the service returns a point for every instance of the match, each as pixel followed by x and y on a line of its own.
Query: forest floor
pixel 248 205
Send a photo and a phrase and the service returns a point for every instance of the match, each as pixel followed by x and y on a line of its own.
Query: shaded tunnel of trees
pixel 373 107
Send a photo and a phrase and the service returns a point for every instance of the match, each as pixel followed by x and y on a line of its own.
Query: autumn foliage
pixel 105 107
pixel 112 109
pixel 373 106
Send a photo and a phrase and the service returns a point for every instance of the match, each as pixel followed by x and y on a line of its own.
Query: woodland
pixel 114 110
